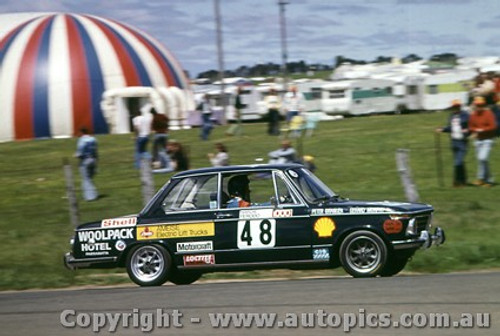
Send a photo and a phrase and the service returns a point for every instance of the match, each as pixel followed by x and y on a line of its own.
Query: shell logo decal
pixel 324 226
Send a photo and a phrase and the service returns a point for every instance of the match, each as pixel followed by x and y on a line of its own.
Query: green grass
pixel 355 157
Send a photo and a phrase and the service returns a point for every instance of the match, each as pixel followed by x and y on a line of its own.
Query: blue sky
pixel 318 30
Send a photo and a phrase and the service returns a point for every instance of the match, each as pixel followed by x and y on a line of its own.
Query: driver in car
pixel 239 192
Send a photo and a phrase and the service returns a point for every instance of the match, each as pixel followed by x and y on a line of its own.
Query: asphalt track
pixel 39 312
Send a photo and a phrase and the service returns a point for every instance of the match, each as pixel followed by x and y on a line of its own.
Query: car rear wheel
pixel 363 254
pixel 148 265
pixel 183 277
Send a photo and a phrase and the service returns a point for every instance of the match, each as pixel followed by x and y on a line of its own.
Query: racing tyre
pixel 393 266
pixel 148 265
pixel 363 254
pixel 183 277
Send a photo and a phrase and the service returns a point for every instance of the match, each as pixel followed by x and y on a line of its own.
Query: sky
pixel 317 30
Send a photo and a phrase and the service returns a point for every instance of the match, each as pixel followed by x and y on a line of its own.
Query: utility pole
pixel 284 56
pixel 220 54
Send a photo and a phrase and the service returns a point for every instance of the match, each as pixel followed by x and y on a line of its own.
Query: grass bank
pixel 355 157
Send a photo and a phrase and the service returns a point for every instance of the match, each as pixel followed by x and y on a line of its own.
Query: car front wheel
pixel 148 265
pixel 363 254
pixel 183 277
pixel 393 266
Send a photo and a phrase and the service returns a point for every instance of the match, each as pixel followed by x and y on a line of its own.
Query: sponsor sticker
pixel 321 254
pixel 195 246
pixel 327 212
pixel 120 245
pixel 176 231
pixel 127 221
pixel 283 213
pixel 392 226
pixel 201 259
pixel 95 249
pixel 324 226
pixel 254 214
pixel 369 210
pixel 92 236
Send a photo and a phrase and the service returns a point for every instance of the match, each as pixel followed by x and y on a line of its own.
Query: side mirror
pixel 274 202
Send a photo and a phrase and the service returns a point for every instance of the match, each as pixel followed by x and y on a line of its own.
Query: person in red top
pixel 159 125
pixel 482 126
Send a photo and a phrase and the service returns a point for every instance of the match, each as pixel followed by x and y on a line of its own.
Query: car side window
pixel 192 193
pixel 285 195
pixel 248 189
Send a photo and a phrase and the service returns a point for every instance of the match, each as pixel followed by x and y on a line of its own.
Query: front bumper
pixel 71 263
pixel 425 241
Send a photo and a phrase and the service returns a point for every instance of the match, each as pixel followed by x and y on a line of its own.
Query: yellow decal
pixel 324 227
pixel 175 231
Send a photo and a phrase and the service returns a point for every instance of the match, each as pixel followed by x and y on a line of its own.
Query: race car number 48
pixel 256 233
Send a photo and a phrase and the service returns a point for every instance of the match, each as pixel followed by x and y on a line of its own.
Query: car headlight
pixel 411 228
pixel 72 241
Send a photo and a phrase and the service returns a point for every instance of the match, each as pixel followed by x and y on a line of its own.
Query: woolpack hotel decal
pixel 176 231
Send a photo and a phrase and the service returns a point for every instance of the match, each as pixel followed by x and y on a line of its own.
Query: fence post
pixel 71 193
pixel 405 174
pixel 147 182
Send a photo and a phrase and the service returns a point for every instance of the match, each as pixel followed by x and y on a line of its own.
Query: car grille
pixel 422 223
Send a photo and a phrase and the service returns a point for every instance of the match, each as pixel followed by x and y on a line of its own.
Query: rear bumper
pixel 71 263
pixel 425 241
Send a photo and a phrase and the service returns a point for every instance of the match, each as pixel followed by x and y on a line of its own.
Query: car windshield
pixel 313 189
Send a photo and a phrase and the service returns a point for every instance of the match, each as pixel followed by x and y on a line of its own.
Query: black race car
pixel 253 217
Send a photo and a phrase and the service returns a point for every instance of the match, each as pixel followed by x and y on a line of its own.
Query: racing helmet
pixel 238 186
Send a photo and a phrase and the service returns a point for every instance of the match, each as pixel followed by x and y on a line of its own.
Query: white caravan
pixel 436 91
pixel 360 96
pixel 249 97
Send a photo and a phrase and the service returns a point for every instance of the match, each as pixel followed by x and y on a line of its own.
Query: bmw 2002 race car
pixel 253 217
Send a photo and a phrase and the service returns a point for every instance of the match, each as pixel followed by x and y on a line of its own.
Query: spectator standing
pixel 86 151
pixel 159 126
pixel 293 103
pixel 236 128
pixel 485 87
pixel 206 116
pixel 482 125
pixel 273 104
pixel 458 128
pixel 142 129
pixel 221 158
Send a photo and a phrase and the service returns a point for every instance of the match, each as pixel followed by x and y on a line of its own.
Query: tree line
pixel 273 69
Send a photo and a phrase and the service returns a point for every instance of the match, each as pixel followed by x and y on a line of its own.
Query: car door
pixel 273 228
pixel 183 218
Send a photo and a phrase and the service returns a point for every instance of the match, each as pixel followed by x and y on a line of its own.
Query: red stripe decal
pixel 80 84
pixel 127 65
pixel 23 100
pixel 165 70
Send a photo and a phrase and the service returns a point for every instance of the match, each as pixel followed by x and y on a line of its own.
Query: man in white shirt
pixel 293 103
pixel 142 129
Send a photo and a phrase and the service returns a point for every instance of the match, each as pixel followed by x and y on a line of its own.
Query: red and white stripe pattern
pixel 55 68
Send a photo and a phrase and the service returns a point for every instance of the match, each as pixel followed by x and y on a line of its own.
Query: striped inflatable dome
pixel 55 68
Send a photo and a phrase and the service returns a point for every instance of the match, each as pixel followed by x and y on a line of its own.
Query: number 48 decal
pixel 256 233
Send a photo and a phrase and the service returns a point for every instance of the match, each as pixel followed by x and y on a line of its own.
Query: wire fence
pixel 38 191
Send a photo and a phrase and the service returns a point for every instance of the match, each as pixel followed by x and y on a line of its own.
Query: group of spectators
pixel 478 120
pixel 169 155
pixel 293 105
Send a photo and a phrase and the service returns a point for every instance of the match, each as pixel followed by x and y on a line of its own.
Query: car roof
pixel 237 169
